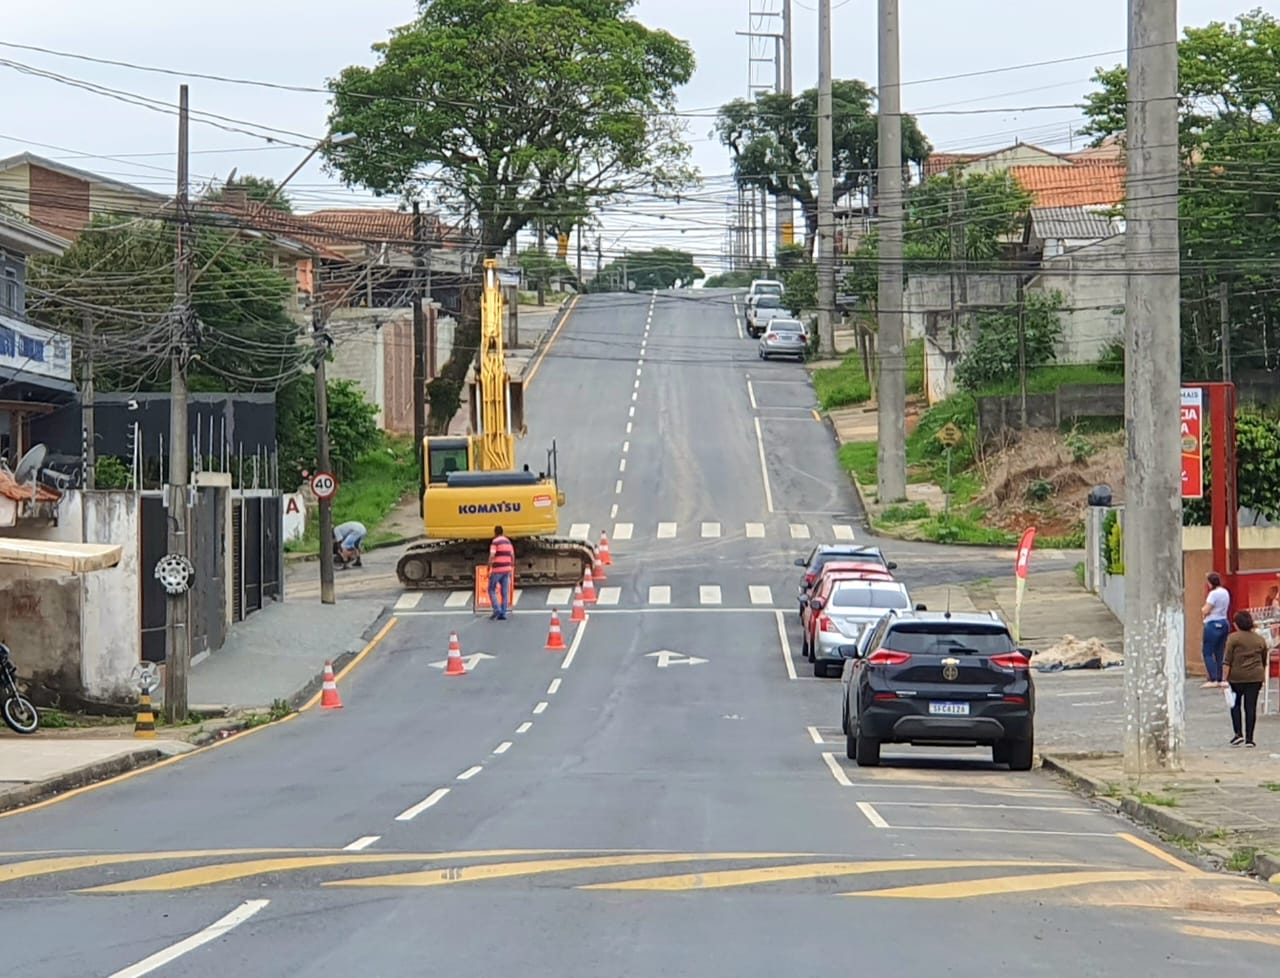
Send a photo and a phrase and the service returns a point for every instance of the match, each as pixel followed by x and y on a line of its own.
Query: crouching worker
pixel 347 539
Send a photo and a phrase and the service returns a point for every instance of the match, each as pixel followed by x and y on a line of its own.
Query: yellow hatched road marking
pixel 11 872
pixel 187 879
pixel 1160 854
pixel 1011 884
pixel 777 874
pixel 472 874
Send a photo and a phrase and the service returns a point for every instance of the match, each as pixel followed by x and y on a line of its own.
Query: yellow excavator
pixel 472 484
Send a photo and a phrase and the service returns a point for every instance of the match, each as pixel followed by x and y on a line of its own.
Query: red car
pixel 831 573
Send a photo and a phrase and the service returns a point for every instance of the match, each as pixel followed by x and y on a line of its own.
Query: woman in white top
pixel 1216 627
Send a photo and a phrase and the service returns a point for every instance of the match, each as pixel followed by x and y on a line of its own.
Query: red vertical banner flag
pixel 1192 437
pixel 1020 571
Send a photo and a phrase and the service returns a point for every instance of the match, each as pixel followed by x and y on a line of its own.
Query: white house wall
pixel 110 613
pixel 1093 297
pixel 15 187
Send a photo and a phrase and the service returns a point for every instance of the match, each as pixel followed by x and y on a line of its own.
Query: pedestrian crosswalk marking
pixel 515 597
pixel 580 530
pixel 622 531
pixel 755 531
pixel 760 594
pixel 408 601
pixel 709 593
pixel 558 597
pixel 666 531
pixel 660 594
pixel 842 531
pixel 710 529
pixel 457 599
pixel 608 595
pixel 799 531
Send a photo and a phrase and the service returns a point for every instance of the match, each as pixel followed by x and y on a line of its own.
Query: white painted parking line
pixel 751 396
pixel 558 597
pixel 755 531
pixel 710 529
pixel 608 595
pixel 503 747
pixel 815 736
pixel 364 842
pixel 623 531
pixel 842 531
pixel 997 806
pixel 760 593
pixel 408 600
pixel 660 594
pixel 457 599
pixel 470 772
pixel 764 466
pixel 785 643
pixel 411 813
pixel 709 593
pixel 799 531
pixel 666 531
pixel 834 767
pixel 581 530
pixel 872 815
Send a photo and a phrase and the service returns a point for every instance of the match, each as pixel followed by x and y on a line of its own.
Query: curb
pixel 29 794
pixel 301 556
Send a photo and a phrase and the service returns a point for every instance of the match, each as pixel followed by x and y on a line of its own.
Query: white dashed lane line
pixel 364 842
pixel 503 747
pixel 411 813
pixel 470 772
pixel 524 727
pixel 540 707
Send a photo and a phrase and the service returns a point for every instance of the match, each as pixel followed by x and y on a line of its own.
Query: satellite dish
pixel 30 465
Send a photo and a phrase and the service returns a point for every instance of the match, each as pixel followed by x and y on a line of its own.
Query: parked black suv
pixel 940 679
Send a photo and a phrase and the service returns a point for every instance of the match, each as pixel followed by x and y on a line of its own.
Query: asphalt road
pixel 618 808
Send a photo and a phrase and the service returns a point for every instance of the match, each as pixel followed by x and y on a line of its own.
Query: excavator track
pixel 450 564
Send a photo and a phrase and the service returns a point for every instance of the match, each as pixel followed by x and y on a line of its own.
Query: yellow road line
pixel 373 644
pixel 495 871
pixel 546 348
pixel 1160 854
pixel 816 415
pixel 11 872
pixel 1010 884
pixel 801 871
pixel 187 879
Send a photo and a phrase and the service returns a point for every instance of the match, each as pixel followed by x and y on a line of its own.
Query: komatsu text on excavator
pixel 472 484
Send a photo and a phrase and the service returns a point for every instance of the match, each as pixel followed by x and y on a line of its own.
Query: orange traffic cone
pixel 604 550
pixel 597 571
pixel 329 698
pixel 579 609
pixel 588 588
pixel 454 665
pixel 555 639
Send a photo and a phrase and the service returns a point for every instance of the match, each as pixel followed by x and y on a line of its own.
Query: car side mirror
pixel 891 564
pixel 817 604
pixel 804 601
pixel 921 607
pixel 800 562
pixel 1027 652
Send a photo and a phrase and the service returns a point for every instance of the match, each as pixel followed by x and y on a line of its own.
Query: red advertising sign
pixel 1192 436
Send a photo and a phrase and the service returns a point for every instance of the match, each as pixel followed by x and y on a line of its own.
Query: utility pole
pixel 1224 327
pixel 1022 353
pixel 891 382
pixel 321 338
pixel 784 215
pixel 89 459
pixel 542 272
pixel 178 632
pixel 419 354
pixel 1154 614
pixel 826 189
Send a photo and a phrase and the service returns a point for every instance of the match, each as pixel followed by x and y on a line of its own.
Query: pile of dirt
pixel 1075 653
pixel 1044 478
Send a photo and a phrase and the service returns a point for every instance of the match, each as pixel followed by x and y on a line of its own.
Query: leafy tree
pixel 659 268
pixel 1229 208
pixel 352 427
pixel 246 341
pixel 800 287
pixel 509 110
pixel 774 140
pixel 543 269
pixel 256 189
pixel 993 358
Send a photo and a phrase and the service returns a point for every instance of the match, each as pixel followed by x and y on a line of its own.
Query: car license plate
pixel 949 709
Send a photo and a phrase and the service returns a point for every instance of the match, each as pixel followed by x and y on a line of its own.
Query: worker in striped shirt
pixel 502 565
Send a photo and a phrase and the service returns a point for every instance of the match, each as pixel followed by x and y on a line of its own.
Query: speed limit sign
pixel 324 485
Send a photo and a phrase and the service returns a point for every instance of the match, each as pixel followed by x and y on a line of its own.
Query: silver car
pixel 784 338
pixel 851 607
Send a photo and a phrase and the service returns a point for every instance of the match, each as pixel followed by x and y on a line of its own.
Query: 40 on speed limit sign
pixel 324 485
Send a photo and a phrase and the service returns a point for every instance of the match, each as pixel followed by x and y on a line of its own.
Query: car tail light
pixel 885 696
pixel 808 579
pixel 772 336
pixel 1019 700
pixel 826 624
pixel 1010 660
pixel 885 657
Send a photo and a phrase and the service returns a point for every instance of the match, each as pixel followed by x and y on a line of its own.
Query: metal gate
pixel 154 542
pixel 237 560
pixel 272 546
pixel 208 535
pixel 252 569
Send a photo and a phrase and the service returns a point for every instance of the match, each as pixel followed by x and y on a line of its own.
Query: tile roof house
pixel 1076 185
pixel 1050 231
pixel 62 200
pixel 995 161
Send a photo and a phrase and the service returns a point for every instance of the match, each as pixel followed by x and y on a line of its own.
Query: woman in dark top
pixel 1245 668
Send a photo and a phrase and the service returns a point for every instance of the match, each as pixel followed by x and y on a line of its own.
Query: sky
pixel 978 74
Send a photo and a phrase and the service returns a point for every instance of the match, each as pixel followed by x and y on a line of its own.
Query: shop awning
pixel 75 558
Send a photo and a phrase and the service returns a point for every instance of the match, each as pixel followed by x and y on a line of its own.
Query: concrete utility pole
pixel 891 380
pixel 1154 626
pixel 178 632
pixel 826 189
pixel 419 352
pixel 784 215
pixel 322 439
pixel 89 459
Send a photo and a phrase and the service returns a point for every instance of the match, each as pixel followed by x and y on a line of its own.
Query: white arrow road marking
pixel 469 661
pixel 666 658
pixel 219 928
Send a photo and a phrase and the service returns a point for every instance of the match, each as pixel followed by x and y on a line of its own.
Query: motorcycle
pixel 19 715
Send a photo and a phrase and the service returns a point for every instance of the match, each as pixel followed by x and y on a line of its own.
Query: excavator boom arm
pixel 495 443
